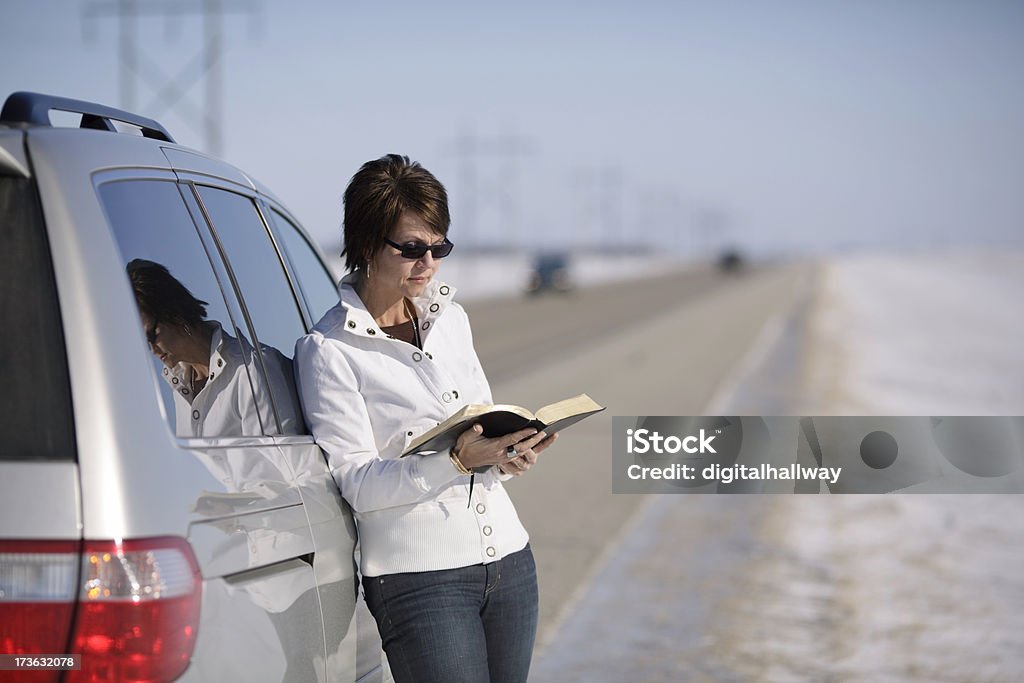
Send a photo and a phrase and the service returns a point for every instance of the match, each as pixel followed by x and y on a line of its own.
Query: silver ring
pixel 510 452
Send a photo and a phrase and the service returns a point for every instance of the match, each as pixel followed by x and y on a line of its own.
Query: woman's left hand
pixel 528 449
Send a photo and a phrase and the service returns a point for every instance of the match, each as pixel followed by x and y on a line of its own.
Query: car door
pixel 275 307
pixel 248 527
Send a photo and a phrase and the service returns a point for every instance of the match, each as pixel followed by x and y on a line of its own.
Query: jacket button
pixel 166 372
pixel 174 380
pixel 184 391
pixel 195 414
pixel 491 552
pixel 446 397
pixel 220 362
pixel 429 355
pixel 352 324
pixel 433 308
pixel 417 356
pixel 371 331
pixel 487 530
pixel 480 508
pixel 455 393
pixel 211 375
pixel 408 433
pixel 426 325
pixel 444 290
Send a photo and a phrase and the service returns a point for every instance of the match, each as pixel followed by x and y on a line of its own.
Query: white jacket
pixel 226 405
pixel 366 396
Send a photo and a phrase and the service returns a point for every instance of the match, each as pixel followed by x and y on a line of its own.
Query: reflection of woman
pixel 204 365
pixel 452 585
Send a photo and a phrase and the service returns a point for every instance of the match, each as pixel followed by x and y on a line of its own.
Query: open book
pixel 498 420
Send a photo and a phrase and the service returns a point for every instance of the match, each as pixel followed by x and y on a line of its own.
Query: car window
pixel 267 295
pixel 35 405
pixel 319 291
pixel 202 362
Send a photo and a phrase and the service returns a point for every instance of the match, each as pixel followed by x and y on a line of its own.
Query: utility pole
pixel 171 91
pixel 609 190
pixel 499 189
pixel 712 225
pixel 658 220
pixel 600 190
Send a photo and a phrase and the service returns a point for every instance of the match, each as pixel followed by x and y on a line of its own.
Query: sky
pixel 781 127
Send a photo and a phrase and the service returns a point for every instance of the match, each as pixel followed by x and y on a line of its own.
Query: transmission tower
pixel 136 66
pixel 500 189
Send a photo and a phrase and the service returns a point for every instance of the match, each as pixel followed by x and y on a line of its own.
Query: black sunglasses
pixel 151 333
pixel 417 250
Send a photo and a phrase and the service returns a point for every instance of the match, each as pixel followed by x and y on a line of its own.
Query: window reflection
pixel 213 380
pixel 263 284
pixel 203 364
pixel 256 267
pixel 318 287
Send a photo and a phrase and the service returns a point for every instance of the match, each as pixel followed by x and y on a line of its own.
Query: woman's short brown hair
pixel 161 296
pixel 376 197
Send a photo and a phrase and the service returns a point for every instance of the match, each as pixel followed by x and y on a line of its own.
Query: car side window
pixel 267 295
pixel 36 415
pixel 319 291
pixel 203 363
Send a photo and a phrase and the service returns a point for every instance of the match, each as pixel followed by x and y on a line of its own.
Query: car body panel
pixel 41 501
pixel 13 160
pixel 198 165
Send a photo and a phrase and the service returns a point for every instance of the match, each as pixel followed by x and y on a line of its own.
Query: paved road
pixel 663 346
pixel 514 336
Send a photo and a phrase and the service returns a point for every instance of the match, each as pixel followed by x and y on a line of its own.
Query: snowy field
pixel 917 334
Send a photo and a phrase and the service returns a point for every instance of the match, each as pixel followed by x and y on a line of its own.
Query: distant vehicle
pixel 731 260
pixel 550 273
pixel 135 529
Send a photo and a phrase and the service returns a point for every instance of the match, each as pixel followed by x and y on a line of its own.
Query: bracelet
pixel 454 457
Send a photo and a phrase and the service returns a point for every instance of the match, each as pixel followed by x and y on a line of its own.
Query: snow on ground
pixel 918 334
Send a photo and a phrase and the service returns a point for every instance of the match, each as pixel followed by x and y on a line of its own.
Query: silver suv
pixel 160 523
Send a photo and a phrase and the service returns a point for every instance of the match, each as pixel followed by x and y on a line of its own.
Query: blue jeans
pixel 473 624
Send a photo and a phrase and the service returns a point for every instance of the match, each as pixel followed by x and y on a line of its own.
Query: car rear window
pixel 35 404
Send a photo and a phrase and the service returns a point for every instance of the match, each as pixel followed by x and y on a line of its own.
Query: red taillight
pixel 137 614
pixel 38 585
pixel 138 611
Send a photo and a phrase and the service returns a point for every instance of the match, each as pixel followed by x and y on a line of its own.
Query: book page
pixel 577 405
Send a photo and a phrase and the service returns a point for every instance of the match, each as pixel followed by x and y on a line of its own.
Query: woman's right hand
pixel 473 449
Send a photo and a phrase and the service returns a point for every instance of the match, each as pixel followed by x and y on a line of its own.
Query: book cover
pixel 498 420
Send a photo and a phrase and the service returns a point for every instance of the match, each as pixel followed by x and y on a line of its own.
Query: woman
pixel 205 366
pixel 451 585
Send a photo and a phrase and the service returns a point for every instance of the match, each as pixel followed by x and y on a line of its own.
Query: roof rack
pixel 34 108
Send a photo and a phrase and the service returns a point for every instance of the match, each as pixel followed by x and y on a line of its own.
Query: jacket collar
pixel 221 353
pixel 429 306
